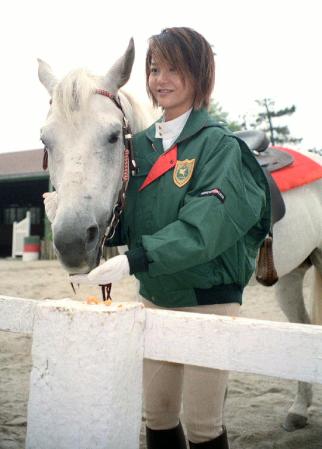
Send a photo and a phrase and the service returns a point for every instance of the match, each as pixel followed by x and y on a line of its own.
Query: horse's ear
pixel 46 76
pixel 120 72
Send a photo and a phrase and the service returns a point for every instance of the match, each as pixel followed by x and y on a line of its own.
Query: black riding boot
pixel 166 439
pixel 221 442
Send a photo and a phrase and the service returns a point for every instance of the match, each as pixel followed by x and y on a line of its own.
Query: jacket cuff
pixel 138 260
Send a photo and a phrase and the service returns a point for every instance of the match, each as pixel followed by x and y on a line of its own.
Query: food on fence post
pixel 94 300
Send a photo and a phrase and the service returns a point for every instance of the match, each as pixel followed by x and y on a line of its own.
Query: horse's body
pixel 297 245
pixel 83 135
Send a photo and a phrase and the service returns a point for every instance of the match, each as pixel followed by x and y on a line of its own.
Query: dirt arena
pixel 255 407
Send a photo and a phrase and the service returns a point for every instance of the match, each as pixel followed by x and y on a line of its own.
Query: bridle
pixel 128 165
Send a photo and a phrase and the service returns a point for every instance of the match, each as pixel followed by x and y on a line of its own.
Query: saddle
pixel 270 159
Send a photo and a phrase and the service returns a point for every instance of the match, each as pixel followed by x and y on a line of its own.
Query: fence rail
pixel 86 379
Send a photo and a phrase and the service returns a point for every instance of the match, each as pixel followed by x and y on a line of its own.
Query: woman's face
pixel 171 91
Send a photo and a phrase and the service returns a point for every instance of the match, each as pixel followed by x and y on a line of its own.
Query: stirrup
pixel 265 270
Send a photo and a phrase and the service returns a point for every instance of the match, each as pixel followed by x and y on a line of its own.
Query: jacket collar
pixel 197 120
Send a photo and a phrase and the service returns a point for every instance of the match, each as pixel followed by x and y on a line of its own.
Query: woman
pixel 193 224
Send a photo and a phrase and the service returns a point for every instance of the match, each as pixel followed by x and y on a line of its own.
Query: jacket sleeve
pixel 223 204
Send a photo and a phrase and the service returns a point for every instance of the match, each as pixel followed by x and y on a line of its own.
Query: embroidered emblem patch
pixel 214 192
pixel 183 172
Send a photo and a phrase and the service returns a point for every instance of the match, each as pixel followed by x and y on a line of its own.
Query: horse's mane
pixel 143 115
pixel 73 92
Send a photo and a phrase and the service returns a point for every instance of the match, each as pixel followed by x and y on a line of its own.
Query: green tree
pixel 264 120
pixel 221 116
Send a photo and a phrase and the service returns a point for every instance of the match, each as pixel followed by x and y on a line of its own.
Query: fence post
pixel 20 230
pixel 86 380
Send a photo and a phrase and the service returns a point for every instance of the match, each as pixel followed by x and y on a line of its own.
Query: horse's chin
pixel 73 270
pixel 78 266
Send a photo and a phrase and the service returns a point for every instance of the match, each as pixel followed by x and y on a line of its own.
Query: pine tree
pixel 279 135
pixel 221 116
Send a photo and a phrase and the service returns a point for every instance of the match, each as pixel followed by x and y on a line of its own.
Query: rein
pixel 129 164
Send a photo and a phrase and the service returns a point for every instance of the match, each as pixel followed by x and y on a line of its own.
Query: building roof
pixel 21 165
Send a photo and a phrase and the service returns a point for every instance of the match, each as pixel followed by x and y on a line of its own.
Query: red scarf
pixel 164 163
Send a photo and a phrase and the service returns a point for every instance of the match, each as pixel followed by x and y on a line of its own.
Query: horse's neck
pixel 138 115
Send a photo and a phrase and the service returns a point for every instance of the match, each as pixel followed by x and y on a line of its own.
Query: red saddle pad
pixel 302 171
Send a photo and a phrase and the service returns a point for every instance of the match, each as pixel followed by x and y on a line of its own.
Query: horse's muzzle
pixel 77 244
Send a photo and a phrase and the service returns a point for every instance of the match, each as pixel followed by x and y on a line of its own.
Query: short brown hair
pixel 191 54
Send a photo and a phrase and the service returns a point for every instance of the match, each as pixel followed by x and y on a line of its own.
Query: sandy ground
pixel 255 407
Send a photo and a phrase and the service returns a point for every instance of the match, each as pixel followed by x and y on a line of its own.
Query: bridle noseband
pixel 128 165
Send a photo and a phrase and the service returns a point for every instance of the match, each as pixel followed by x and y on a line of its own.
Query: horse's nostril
pixel 91 234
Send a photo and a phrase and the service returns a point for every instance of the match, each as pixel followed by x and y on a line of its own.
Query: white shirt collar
pixel 172 128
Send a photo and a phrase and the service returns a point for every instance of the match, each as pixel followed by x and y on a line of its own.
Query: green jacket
pixel 196 243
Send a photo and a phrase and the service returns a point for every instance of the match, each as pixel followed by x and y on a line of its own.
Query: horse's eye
pixel 113 137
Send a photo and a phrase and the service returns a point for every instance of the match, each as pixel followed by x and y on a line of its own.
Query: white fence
pixel 20 230
pixel 86 379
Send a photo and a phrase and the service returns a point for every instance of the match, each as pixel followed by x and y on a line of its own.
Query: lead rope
pixel 117 211
pixel 106 292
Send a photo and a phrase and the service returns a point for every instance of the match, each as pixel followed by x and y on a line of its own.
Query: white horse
pixel 297 246
pixel 83 136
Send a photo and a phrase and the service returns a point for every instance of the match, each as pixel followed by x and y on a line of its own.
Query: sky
pixel 264 49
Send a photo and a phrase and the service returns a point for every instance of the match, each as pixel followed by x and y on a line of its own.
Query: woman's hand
pixel 111 271
pixel 50 203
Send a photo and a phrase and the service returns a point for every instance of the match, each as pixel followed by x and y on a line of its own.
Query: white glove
pixel 111 271
pixel 50 203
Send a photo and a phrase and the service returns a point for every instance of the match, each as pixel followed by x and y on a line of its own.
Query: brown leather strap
pixel 129 163
pixel 45 159
pixel 265 270
pixel 127 134
pixel 278 208
pixel 106 291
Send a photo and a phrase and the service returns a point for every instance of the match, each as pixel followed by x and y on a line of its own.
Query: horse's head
pixel 84 140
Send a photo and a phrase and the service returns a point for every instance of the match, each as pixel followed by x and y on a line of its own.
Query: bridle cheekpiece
pixel 129 164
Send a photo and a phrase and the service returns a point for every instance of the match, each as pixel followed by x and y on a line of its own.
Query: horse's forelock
pixel 73 92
